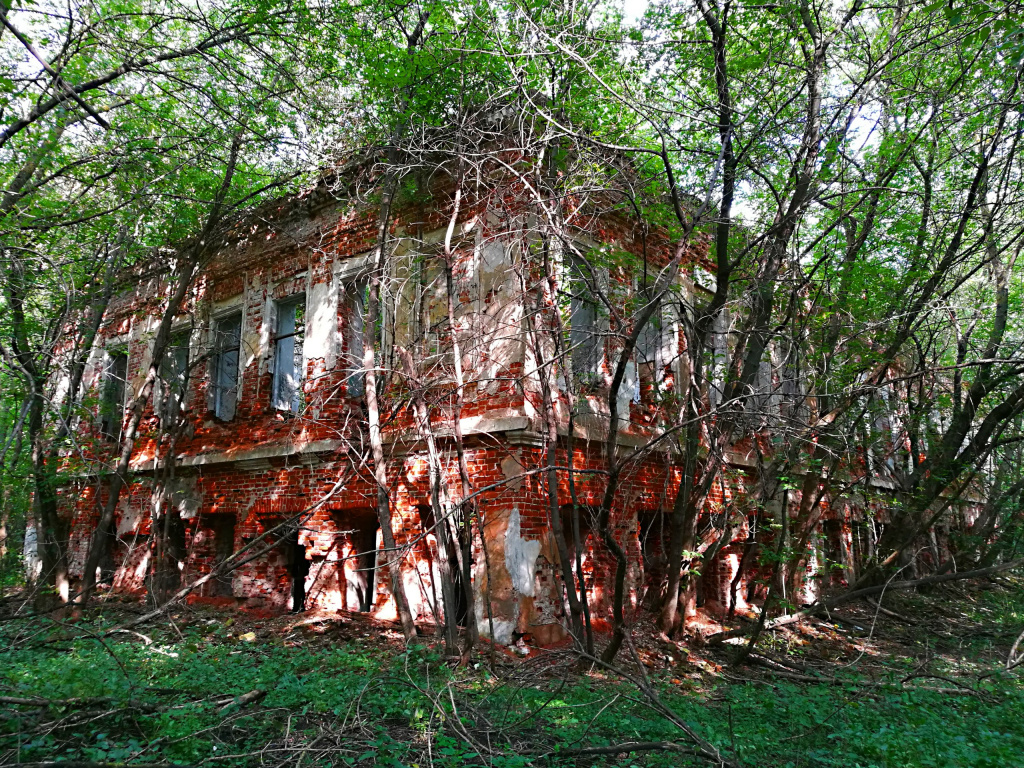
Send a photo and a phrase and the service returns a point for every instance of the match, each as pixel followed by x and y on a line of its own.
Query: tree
pixel 186 93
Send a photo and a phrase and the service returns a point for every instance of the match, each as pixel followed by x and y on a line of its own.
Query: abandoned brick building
pixel 264 378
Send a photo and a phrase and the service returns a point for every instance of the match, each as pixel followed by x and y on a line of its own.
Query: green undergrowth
pixel 165 698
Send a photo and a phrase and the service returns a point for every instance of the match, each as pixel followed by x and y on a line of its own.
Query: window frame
pixel 660 334
pixel 168 407
pixel 219 400
pixel 111 413
pixel 294 405
pixel 354 291
pixel 586 354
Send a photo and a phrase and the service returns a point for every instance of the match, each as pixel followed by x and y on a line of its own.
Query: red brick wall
pixel 272 258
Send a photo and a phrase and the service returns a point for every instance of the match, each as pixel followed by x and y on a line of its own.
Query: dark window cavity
pixel 223 528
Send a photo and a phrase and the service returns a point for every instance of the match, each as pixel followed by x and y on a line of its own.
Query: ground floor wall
pixel 335 560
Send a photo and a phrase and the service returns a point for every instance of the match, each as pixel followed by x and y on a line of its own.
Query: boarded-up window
pixel 227 343
pixel 288 365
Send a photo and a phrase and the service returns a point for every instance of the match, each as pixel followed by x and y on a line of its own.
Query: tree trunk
pixel 446 548
pixel 544 373
pixel 466 507
pixel 380 471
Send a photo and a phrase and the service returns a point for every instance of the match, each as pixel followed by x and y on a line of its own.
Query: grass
pixel 344 697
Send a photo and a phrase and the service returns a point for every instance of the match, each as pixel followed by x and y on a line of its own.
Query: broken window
pixel 227 344
pixel 584 337
pixel 760 403
pixel 288 366
pixel 173 380
pixel 649 353
pixel 656 344
pixel 115 376
pixel 429 322
pixel 355 298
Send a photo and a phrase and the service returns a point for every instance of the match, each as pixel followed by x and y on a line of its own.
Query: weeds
pixel 203 692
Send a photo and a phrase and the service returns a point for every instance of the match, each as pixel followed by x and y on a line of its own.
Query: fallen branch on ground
pixel 241 701
pixel 89 702
pixel 886 612
pixel 624 747
pixel 848 597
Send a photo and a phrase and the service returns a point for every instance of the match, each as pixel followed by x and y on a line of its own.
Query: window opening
pixel 173 552
pixel 106 569
pixel 583 337
pixel 298 569
pixel 360 571
pixel 112 401
pixel 355 294
pixel 223 527
pixel 587 519
pixel 173 379
pixel 648 352
pixel 227 345
pixel 429 523
pixel 291 330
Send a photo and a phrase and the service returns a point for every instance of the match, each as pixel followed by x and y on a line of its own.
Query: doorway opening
pixel 442 536
pixel 298 569
pixel 360 530
pixel 223 528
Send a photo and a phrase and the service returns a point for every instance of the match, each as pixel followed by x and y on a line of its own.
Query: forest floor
pixel 919 682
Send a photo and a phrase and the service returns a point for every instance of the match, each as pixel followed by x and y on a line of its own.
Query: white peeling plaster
pixel 493 262
pixel 520 556
pixel 129 520
pixel 627 390
pixel 502 630
pixel 266 322
pixel 322 323
pixel 186 497
pixel 413 593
